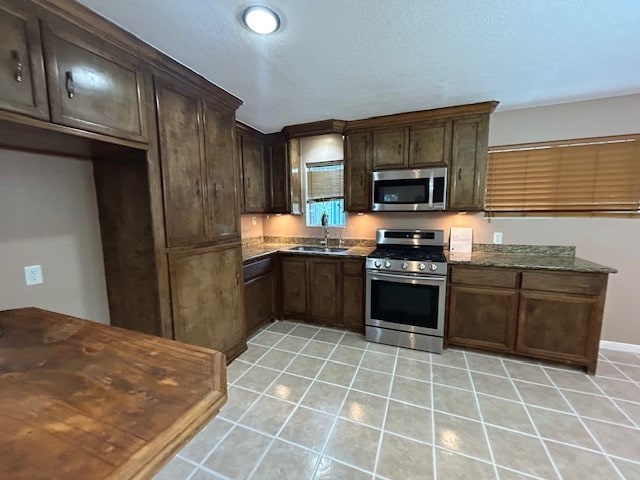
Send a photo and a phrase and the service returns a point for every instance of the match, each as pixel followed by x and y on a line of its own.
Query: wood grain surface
pixel 82 400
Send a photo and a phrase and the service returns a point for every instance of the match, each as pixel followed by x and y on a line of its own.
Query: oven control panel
pixel 409 266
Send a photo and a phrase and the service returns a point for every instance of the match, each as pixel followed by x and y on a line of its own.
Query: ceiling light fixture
pixel 261 19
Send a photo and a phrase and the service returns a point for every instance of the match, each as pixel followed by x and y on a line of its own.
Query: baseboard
pixel 621 347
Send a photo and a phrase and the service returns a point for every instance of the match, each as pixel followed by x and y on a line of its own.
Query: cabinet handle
pixel 237 278
pixel 249 183
pixel 18 65
pixel 71 89
pixel 198 192
pixel 415 148
pixel 460 173
pixel 399 149
pixel 216 188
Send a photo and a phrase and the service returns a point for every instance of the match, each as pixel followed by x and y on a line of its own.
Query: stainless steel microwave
pixel 409 190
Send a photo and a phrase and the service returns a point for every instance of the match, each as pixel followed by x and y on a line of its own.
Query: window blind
pixel 581 176
pixel 325 181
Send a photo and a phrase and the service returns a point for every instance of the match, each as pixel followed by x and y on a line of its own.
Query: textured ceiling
pixel 351 59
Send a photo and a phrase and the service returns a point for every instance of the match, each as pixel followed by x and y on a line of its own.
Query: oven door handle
pixel 422 278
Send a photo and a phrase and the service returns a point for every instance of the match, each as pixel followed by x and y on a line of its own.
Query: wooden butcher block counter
pixel 80 400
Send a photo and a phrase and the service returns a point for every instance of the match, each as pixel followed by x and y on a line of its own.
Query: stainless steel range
pixel 406 289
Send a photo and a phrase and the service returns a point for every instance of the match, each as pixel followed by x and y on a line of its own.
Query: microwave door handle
pixel 431 186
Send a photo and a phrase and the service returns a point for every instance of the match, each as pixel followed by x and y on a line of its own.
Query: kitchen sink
pixel 310 248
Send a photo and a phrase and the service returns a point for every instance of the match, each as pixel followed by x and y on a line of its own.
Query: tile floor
pixel 315 403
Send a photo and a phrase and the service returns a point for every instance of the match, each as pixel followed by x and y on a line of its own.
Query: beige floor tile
pixel 175 469
pixel 292 344
pixel 631 409
pixel 620 357
pixel 232 458
pixel 450 358
pixel 252 353
pixel 409 421
pixel 505 413
pixel 202 474
pixel 378 361
pixel 257 378
pixel 616 440
pixel 329 336
pixel 455 401
pixel 630 471
pixel 382 348
pixel 562 427
pixel 452 466
pixel 304 331
pixel 486 364
pixel 267 338
pixel 526 372
pixel 462 436
pixel 281 327
pixel 329 469
pixel 505 474
pixel 337 373
pixel 354 444
pixel 372 382
pixel 597 407
pixel 540 396
pixel 350 356
pixel 606 369
pixel 308 428
pixel 411 391
pixel 632 372
pixel 619 389
pixel 519 452
pixel 577 464
pixel 276 359
pixel 404 459
pixel 200 446
pixel 284 461
pixel 493 385
pixel 407 367
pixel 324 397
pixel 318 349
pixel 415 354
pixel 238 402
pixel 305 366
pixel 235 369
pixel 354 340
pixel 289 387
pixel 453 377
pixel 571 380
pixel 267 415
pixel 364 408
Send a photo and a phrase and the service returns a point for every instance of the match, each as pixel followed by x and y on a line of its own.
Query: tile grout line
pixel 613 401
pixel 584 425
pixel 484 425
pixel 535 427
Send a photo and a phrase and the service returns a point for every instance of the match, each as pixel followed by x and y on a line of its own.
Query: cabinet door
pixel 357 160
pixel 430 145
pixel 22 81
pixel 468 163
pixel 353 303
pixel 482 317
pixel 253 175
pixel 259 301
pixel 92 86
pixel 278 175
pixel 206 296
pixel 219 135
pixel 390 148
pixel 183 166
pixel 559 326
pixel 324 294
pixel 294 287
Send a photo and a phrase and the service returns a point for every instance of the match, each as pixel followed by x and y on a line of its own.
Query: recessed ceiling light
pixel 261 19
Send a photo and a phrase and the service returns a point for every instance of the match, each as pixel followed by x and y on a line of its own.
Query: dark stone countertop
pixel 253 252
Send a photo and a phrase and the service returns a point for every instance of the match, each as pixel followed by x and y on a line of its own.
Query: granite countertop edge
pixel 255 252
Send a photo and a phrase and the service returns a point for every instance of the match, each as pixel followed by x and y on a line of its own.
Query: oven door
pixel 410 303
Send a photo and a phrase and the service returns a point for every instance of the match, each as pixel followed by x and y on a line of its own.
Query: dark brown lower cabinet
pixel 259 293
pixel 548 315
pixel 324 291
pixel 207 298
pixel 294 287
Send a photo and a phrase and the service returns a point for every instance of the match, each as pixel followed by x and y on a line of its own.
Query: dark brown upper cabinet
pixel 253 173
pixel 23 87
pixel 430 144
pixel 277 174
pixel 390 148
pixel 92 85
pixel 357 166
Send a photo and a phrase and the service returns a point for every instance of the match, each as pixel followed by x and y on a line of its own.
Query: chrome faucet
pixel 325 224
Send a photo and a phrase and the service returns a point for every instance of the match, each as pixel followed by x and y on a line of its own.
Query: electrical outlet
pixel 253 221
pixel 33 275
pixel 497 237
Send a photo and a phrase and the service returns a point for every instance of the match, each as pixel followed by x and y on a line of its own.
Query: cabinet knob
pixel 460 173
pixel 197 187
pixel 399 149
pixel 216 188
pixel 18 65
pixel 71 89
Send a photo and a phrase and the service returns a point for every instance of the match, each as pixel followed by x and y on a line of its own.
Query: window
pixel 578 177
pixel 325 193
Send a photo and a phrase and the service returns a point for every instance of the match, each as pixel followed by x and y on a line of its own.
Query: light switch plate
pixel 33 275
pixel 497 238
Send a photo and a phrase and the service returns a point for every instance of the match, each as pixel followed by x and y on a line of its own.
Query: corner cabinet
pixel 357 165
pixel 551 315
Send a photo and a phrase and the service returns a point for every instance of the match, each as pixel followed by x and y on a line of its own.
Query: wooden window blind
pixel 325 181
pixel 578 176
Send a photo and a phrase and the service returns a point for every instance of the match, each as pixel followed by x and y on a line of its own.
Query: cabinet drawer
pixel 257 268
pixel 488 277
pixel 352 267
pixel 585 284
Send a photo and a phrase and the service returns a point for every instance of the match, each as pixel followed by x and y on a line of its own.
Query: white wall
pixel 49 216
pixel 610 241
